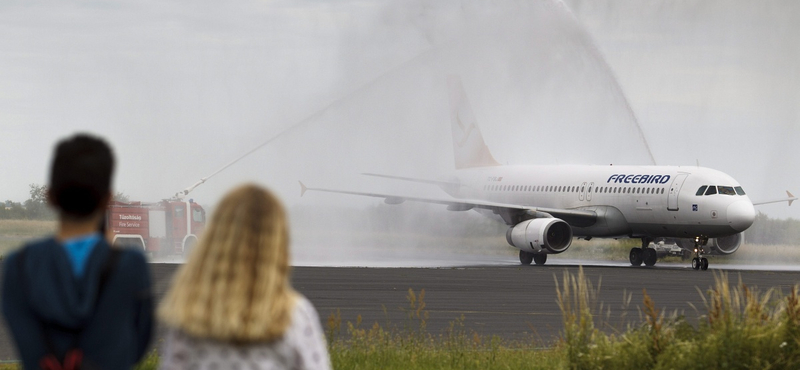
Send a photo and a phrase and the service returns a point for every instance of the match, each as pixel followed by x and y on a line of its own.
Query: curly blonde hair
pixel 235 286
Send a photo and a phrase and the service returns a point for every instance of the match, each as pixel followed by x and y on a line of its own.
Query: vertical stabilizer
pixel 468 146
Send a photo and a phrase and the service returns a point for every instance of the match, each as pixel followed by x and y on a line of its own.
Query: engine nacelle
pixel 716 246
pixel 541 235
pixel 725 245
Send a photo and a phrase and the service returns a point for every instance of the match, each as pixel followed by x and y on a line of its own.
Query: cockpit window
pixel 726 190
pixel 702 190
pixel 739 190
pixel 711 190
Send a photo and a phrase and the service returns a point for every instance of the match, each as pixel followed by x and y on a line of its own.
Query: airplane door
pixel 589 191
pixel 674 190
pixel 582 191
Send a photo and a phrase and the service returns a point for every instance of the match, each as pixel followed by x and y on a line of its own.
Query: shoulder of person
pixel 304 308
pixel 34 248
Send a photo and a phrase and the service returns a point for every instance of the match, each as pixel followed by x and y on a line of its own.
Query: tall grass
pixel 411 346
pixel 742 328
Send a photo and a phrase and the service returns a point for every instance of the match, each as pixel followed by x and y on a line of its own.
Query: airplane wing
pixel 411 179
pixel 511 213
pixel 789 198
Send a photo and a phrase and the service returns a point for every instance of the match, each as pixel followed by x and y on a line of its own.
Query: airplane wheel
pixel 704 264
pixel 525 258
pixel 636 256
pixel 540 259
pixel 695 263
pixel 649 256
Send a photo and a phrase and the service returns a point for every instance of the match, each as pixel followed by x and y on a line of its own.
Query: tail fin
pixel 469 148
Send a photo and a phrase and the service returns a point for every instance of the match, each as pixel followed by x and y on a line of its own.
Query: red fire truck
pixel 166 227
pixel 161 228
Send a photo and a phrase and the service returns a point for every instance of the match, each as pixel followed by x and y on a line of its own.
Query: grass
pixel 742 328
pixel 14 233
pixel 412 346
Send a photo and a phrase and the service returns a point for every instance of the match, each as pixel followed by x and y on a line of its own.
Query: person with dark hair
pixel 71 300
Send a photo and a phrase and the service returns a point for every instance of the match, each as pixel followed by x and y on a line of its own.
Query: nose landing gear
pixel 699 262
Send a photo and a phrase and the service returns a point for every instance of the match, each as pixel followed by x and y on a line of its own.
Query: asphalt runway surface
pixel 511 301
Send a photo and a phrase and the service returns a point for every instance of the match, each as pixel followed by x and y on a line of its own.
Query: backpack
pixel 73 359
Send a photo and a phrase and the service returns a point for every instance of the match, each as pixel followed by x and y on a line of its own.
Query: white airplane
pixel 704 211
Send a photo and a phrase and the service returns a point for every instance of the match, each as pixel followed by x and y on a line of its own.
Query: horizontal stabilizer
pixel 789 198
pixel 303 188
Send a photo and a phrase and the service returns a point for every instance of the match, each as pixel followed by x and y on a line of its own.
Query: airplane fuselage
pixel 630 201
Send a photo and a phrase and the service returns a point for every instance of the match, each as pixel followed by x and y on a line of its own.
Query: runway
pixel 512 301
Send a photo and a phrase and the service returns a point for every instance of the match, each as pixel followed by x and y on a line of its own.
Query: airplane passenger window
pixel 702 190
pixel 711 190
pixel 739 190
pixel 727 190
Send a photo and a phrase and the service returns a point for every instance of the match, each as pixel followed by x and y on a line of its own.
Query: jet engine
pixel 541 235
pixel 725 245
pixel 716 246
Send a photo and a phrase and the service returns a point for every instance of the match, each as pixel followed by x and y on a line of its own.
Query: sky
pixel 181 88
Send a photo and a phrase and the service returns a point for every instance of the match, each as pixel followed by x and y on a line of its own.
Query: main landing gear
pixel 699 262
pixel 645 254
pixel 526 258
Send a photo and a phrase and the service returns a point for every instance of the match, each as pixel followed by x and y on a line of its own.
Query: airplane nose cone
pixel 741 215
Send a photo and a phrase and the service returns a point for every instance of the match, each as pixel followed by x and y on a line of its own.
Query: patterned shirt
pixel 301 347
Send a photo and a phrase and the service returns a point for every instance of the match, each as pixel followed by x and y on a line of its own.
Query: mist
pixel 183 88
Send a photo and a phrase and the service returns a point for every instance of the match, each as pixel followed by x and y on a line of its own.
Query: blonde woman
pixel 231 306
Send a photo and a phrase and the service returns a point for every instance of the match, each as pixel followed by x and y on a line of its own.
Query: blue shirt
pixel 78 250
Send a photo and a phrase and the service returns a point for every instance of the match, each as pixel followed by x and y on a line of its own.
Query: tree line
pixel 35 207
pixel 772 231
